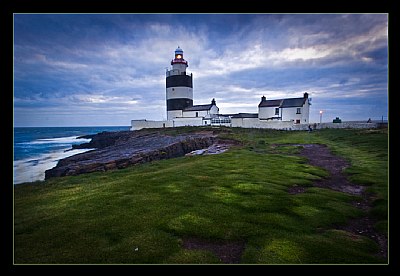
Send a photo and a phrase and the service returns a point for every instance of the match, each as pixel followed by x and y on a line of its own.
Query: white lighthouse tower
pixel 179 86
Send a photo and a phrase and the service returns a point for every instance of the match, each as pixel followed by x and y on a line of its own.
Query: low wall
pixel 250 123
pixel 288 125
pixel 139 124
pixel 257 123
pixel 190 121
pixel 177 122
pixel 347 125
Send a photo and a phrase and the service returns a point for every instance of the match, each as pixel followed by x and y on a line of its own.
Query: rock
pixel 103 139
pixel 116 150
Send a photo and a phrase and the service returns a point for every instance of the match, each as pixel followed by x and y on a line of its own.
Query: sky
pixel 108 69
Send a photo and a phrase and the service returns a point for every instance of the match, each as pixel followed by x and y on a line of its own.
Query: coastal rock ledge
pixel 116 150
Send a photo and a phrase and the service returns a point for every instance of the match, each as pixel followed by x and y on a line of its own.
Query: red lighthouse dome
pixel 179 57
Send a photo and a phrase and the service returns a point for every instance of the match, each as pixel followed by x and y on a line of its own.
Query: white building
pixel 290 113
pixel 295 110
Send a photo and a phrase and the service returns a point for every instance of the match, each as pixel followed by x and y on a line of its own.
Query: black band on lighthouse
pixel 180 80
pixel 178 104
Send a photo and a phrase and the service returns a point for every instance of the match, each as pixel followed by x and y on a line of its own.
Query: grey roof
pixel 270 103
pixel 227 115
pixel 199 107
pixel 294 102
pixel 245 115
pixel 291 102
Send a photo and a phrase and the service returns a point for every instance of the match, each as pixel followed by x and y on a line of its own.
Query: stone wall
pixel 347 125
pixel 288 125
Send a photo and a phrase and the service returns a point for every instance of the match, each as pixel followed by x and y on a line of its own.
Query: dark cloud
pixel 89 64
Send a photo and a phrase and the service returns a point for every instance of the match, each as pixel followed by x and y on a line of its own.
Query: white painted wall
pixel 202 113
pixel 289 114
pixel 172 72
pixel 246 123
pixel 257 123
pixel 214 110
pixel 267 112
pixel 207 122
pixel 188 114
pixel 177 69
pixel 139 124
pixel 179 93
pixel 171 114
pixel 306 113
pixel 177 122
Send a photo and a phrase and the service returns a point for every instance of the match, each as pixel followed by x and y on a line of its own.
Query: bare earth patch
pixel 229 252
pixel 296 189
pixel 321 156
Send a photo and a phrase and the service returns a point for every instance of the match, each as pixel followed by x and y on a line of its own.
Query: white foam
pixel 33 169
pixel 61 140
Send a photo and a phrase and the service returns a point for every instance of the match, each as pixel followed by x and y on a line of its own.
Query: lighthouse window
pixel 173 89
pixel 298 110
pixel 197 114
pixel 277 111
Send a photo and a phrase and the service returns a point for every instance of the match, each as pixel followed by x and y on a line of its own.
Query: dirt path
pixel 228 252
pixel 321 156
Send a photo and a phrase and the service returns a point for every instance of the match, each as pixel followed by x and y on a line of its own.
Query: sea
pixel 37 149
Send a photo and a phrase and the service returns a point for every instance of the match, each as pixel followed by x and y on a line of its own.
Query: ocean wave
pixel 60 140
pixel 33 169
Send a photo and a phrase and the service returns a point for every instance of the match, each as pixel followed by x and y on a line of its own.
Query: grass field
pixel 141 214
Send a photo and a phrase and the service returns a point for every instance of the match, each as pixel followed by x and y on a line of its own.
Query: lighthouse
pixel 179 86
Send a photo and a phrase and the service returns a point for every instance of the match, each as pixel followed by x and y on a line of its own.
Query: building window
pixel 298 110
pixel 297 121
pixel 173 89
pixel 197 114
pixel 277 111
pixel 221 120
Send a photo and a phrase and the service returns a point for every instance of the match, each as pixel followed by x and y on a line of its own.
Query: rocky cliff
pixel 116 150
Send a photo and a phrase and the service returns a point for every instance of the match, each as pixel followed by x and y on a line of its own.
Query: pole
pixel 320 116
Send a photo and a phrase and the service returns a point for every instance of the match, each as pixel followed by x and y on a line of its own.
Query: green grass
pixel 142 213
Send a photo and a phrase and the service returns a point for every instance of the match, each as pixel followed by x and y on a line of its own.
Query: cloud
pixel 292 54
pixel 70 63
